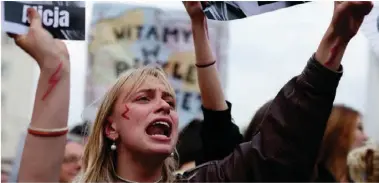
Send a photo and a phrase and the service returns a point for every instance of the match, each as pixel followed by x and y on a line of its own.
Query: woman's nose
pixel 164 107
pixel 365 137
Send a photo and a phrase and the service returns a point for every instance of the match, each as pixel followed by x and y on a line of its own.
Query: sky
pixel 265 51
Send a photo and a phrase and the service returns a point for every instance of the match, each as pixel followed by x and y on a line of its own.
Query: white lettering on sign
pixel 50 18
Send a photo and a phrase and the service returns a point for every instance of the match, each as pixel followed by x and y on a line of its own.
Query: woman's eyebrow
pixel 148 90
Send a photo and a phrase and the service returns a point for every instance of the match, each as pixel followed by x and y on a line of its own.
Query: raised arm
pixel 347 18
pixel 216 110
pixel 212 95
pixel 287 145
pixel 44 145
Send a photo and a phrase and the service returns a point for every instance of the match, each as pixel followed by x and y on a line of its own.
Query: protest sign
pixel 232 10
pixel 124 36
pixel 63 19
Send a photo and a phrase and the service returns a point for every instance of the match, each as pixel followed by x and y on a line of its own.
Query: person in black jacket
pixel 216 135
pixel 125 144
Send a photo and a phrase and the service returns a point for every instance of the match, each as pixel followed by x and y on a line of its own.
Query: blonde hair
pixel 98 159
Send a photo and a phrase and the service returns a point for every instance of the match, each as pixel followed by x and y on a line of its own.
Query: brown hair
pixel 256 122
pixel 338 139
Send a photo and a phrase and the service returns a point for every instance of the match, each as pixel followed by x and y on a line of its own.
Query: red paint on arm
pixel 333 53
pixel 125 112
pixel 53 81
pixel 332 56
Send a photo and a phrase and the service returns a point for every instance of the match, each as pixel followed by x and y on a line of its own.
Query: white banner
pixel 124 36
pixel 370 28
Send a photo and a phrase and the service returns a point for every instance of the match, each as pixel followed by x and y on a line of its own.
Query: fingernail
pixel 10 35
pixel 29 11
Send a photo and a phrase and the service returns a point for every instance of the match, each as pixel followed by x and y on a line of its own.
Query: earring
pixel 173 153
pixel 113 146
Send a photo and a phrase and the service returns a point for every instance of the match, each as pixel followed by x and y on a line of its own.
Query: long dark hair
pixel 189 145
pixel 256 122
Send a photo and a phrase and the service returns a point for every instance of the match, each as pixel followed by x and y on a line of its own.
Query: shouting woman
pixel 136 127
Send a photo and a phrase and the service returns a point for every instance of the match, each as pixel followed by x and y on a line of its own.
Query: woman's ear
pixel 111 129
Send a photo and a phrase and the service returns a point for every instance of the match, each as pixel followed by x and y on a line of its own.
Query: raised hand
pixel 348 17
pixel 194 10
pixel 42 155
pixel 212 96
pixel 40 44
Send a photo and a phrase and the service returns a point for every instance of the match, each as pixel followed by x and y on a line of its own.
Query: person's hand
pixel 40 44
pixel 348 17
pixel 194 10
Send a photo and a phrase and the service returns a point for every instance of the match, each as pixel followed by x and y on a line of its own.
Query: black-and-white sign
pixel 232 10
pixel 63 19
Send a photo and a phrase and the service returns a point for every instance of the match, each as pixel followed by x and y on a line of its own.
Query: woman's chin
pixel 160 149
pixel 157 145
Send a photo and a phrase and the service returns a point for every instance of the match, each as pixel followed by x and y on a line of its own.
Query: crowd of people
pixel 299 135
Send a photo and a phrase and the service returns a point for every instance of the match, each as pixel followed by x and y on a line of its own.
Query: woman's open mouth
pixel 159 129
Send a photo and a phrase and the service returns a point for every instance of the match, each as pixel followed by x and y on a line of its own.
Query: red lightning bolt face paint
pixel 125 112
pixel 53 81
